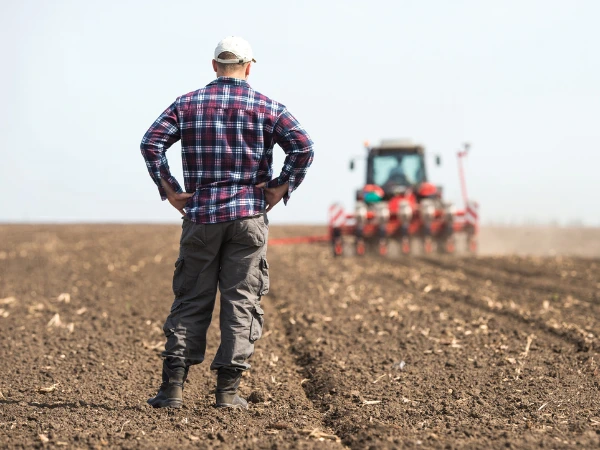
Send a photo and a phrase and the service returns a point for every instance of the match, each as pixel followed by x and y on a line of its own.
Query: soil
pixel 370 352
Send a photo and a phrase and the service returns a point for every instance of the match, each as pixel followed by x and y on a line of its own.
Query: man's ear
pixel 214 64
pixel 248 70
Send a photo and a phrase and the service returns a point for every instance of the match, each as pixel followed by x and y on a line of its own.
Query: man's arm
pixel 163 133
pixel 298 147
pixel 177 200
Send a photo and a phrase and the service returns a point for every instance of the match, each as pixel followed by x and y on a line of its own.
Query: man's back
pixel 227 133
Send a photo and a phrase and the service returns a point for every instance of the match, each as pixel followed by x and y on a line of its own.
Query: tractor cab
pixel 396 166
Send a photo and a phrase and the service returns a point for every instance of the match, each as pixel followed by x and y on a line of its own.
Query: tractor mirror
pixel 438 160
pixel 351 164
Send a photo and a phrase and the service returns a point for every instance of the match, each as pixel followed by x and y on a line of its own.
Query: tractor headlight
pixel 405 211
pixel 449 212
pixel 427 210
pixel 382 212
pixel 360 212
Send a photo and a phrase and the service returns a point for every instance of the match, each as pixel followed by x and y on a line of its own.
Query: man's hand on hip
pixel 273 195
pixel 177 199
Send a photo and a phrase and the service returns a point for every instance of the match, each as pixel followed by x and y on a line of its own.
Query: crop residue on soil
pixel 481 352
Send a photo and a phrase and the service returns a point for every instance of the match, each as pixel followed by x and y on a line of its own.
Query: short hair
pixel 231 67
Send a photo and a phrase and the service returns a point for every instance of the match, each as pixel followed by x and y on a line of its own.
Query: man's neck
pixel 232 75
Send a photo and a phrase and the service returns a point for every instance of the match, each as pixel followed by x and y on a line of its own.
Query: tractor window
pixel 398 169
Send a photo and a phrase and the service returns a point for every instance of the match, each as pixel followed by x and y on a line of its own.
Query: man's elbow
pixel 144 143
pixel 310 155
pixel 147 147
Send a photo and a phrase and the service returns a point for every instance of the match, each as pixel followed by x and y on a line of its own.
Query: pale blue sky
pixel 81 81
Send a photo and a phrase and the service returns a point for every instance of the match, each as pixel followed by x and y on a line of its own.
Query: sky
pixel 517 79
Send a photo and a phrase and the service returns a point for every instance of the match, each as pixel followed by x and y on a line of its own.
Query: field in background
pixel 497 240
pixel 494 351
pixel 541 241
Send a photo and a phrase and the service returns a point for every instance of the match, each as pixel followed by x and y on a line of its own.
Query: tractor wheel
pixel 427 245
pixel 383 248
pixel 360 247
pixel 472 244
pixel 450 245
pixel 406 245
pixel 338 247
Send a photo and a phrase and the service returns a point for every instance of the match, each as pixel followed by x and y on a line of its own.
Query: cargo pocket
pixel 264 276
pixel 179 277
pixel 256 325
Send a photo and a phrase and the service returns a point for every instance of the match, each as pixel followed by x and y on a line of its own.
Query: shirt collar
pixel 230 81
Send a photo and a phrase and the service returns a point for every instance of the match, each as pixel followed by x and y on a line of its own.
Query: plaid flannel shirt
pixel 227 133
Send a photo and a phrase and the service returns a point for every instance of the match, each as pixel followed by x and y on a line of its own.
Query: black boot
pixel 170 393
pixel 228 382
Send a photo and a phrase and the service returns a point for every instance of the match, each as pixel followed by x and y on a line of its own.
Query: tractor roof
pixel 393 145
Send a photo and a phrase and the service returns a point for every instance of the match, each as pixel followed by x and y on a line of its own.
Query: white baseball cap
pixel 236 45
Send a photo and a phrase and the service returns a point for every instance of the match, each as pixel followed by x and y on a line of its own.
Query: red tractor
pixel 398 203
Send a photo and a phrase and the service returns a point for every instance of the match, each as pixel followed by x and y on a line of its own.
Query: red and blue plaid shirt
pixel 227 133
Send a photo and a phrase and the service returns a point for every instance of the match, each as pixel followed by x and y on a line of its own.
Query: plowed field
pixel 413 352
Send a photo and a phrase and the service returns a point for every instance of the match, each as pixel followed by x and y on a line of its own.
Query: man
pixel 227 133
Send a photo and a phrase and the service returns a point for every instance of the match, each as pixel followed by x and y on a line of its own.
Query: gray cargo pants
pixel 232 256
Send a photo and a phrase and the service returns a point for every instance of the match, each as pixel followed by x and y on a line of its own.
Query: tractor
pixel 399 203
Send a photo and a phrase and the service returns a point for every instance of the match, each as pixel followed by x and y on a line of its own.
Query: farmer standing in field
pixel 227 133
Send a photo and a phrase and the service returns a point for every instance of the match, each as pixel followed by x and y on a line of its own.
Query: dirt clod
pixel 257 397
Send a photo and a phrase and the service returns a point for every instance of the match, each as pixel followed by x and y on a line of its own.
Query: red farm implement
pixel 398 203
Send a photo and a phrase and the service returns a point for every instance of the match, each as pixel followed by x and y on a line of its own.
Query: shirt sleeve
pixel 298 146
pixel 163 133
